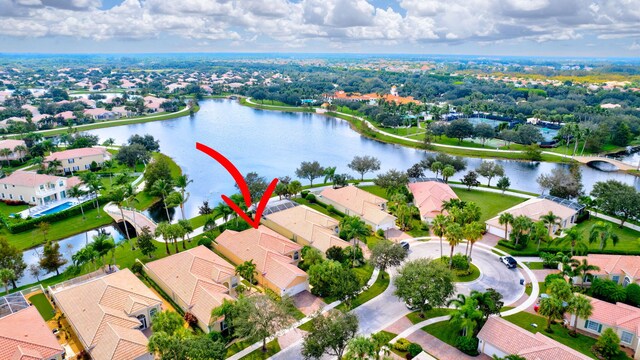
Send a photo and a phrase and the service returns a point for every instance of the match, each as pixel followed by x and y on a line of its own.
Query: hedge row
pixel 553 250
pixel 30 223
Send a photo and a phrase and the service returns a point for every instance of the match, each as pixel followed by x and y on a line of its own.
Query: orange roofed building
pixel 275 256
pixel 25 336
pixel 428 197
pixel 391 97
pixel 198 281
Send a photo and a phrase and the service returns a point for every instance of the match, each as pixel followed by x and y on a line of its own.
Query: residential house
pixel 623 269
pixel 11 145
pixel 109 313
pixel 101 114
pixel 306 227
pixel 428 196
pixel 501 338
pixel 153 103
pixel 79 159
pixel 33 188
pixel 354 201
pixel 25 336
pixel 622 318
pixel 198 281
pixel 534 209
pixel 275 256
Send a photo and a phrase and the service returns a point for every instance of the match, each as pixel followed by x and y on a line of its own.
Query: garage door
pixel 296 289
pixel 496 231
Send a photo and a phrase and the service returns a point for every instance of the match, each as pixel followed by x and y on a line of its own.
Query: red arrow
pixel 242 185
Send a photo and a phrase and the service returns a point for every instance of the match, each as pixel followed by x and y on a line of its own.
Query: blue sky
pixel 600 28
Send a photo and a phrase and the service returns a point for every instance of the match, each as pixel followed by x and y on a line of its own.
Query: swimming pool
pixel 548 134
pixel 477 120
pixel 55 209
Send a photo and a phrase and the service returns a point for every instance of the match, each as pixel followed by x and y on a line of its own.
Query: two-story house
pixel 78 159
pixel 275 257
pixel 33 188
pixel 198 281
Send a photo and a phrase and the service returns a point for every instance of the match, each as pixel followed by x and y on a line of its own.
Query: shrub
pixel 331 209
pixel 215 336
pixel 402 344
pixel 205 241
pixel 460 262
pixel 136 268
pixel 551 277
pixel 608 345
pixel 304 193
pixel 335 253
pixel 608 290
pixel 380 233
pixel 414 349
pixel 548 260
pixel 467 345
pixel 310 198
pixel 190 319
pixel 633 294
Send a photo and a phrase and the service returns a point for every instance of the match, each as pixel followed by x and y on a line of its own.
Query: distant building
pixel 79 159
pixel 109 313
pixel 101 114
pixel 275 256
pixel 354 201
pixel 198 281
pixel 11 145
pixel 33 188
pixel 25 336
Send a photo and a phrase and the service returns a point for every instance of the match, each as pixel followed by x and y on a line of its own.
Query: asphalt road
pixel 386 308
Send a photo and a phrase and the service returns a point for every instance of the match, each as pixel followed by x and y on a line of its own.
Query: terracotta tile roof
pixel 120 343
pixel 196 276
pixel 96 307
pixel 11 144
pixel 267 249
pixel 359 201
pixel 512 339
pixel 614 264
pixel 75 153
pixel 29 179
pixel 429 195
pixel 25 335
pixel 534 209
pixel 616 315
pixel 316 228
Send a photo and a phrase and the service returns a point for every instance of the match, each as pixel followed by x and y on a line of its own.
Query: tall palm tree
pixel 188 228
pixel 438 226
pixel 551 308
pixel 6 276
pixel 119 196
pixel 182 182
pixel 506 219
pixel 162 187
pixel 361 347
pixel 539 232
pixel 329 173
pixel 454 235
pixel 467 315
pixel 53 165
pixel 583 268
pixel 356 229
pixel 581 307
pixel 247 270
pixel 473 232
pixel 163 230
pixel 574 238
pixel 102 243
pixel 521 225
pixel 550 219
pixel 223 210
pixel 21 150
pixel 6 152
pixel 76 192
pixel 602 232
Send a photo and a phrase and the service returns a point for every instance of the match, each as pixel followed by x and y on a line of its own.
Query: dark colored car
pixel 405 245
pixel 509 262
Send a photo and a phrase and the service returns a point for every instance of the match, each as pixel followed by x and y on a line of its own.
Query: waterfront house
pixel 11 144
pixel 33 188
pixel 79 159
pixel 428 197
pixel 354 201
pixel 25 336
pixel 198 281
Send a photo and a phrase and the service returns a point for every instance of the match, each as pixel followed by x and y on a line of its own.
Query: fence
pixel 104 271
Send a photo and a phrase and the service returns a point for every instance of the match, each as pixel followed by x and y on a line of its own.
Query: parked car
pixel 405 245
pixel 509 262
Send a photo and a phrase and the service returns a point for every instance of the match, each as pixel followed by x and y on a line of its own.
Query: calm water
pixel 274 143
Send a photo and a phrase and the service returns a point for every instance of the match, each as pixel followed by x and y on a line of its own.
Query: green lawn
pixel 381 284
pixel 415 318
pixel 490 203
pixel 376 190
pixel 444 331
pixel 579 343
pixel 543 288
pixel 535 265
pixel 43 305
pixel 7 210
pixel 272 348
pixel 474 274
pixel 317 207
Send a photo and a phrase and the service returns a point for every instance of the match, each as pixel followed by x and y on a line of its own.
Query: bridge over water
pixel 134 217
pixel 617 163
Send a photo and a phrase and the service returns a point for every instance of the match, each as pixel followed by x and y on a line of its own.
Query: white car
pixel 509 262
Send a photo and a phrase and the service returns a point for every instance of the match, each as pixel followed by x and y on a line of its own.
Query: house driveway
pixel 307 302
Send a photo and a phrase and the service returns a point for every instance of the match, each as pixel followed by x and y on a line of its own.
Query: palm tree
pixel 162 187
pixel 580 306
pixel 473 232
pixel 467 315
pixel 6 276
pixel 21 150
pixel 188 228
pixel 583 268
pixel 438 226
pixel 356 229
pixel 223 210
pixel 361 347
pixel 521 225
pixel 506 219
pixel 454 235
pixel 550 219
pixel 539 232
pixel 6 152
pixel 53 165
pixel 178 232
pixel 103 243
pixel 182 182
pixel 552 308
pixel 163 230
pixel 602 232
pixel 119 196
pixel 76 192
pixel 568 263
pixel 247 270
pixel 329 173
pixel 574 238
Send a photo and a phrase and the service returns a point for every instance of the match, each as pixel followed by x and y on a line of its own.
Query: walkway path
pixel 134 217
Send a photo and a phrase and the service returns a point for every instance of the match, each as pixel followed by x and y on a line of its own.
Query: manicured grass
pixel 543 288
pixel 535 265
pixel 579 343
pixel 444 331
pixel 60 229
pixel 375 190
pixel 43 305
pixel 7 210
pixel 364 273
pixel 473 274
pixel 490 203
pixel 317 207
pixel 378 287
pixel 415 318
pixel 273 347
pixel 308 326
